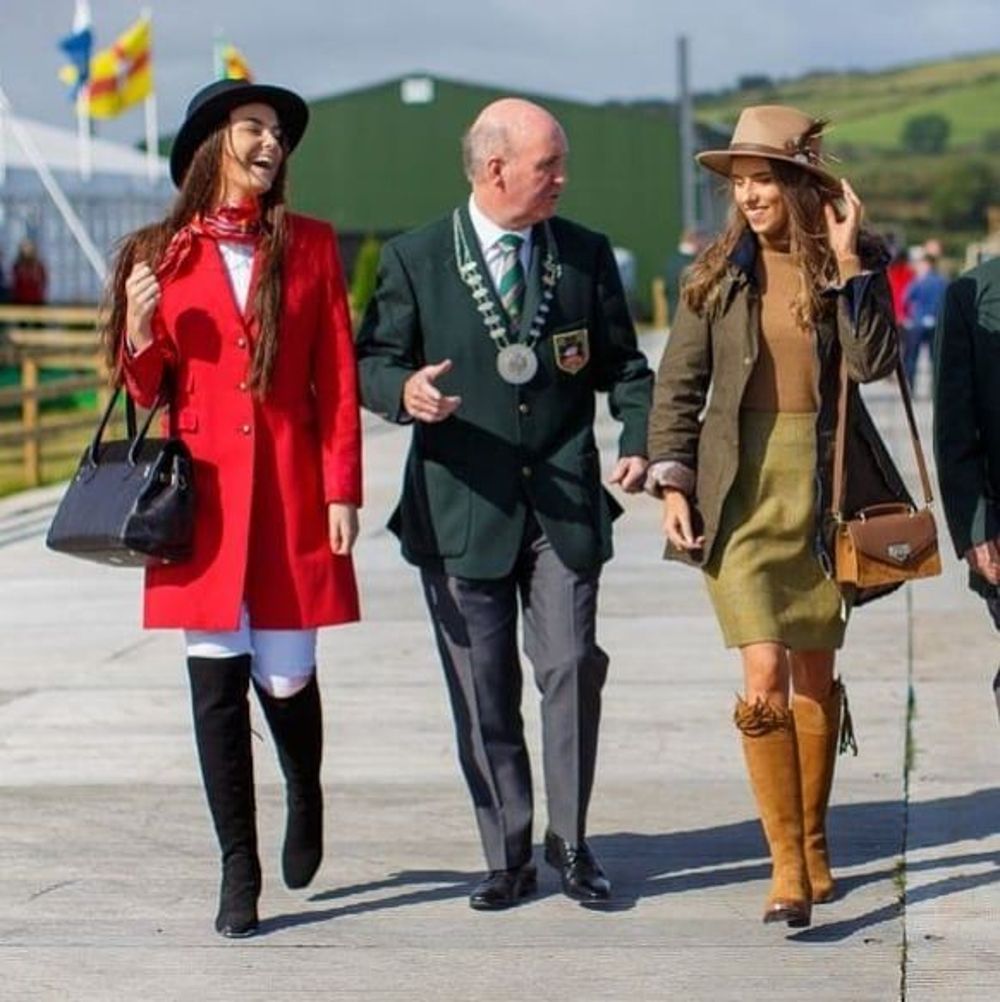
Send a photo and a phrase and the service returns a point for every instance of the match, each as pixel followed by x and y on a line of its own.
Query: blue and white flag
pixel 77 46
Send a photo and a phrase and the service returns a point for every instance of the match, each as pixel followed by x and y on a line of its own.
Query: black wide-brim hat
pixel 212 105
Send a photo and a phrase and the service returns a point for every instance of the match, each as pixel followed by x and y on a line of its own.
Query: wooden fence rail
pixel 43 337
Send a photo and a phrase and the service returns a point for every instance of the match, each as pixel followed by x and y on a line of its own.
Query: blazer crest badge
pixel 572 350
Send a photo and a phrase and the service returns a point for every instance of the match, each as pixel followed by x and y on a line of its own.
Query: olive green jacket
pixel 704 372
pixel 967 410
pixel 471 479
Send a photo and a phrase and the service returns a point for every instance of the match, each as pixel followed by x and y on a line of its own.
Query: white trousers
pixel 283 660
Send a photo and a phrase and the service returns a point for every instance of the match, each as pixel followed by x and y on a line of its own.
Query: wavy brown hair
pixel 808 243
pixel 200 191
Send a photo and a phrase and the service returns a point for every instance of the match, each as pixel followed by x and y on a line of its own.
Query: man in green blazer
pixel 492 330
pixel 967 426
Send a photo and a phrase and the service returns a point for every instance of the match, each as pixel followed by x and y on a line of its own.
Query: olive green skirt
pixel 764 579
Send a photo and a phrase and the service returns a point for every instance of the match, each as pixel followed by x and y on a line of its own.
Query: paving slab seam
pixel 909 753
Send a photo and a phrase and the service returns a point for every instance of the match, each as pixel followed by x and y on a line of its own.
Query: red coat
pixel 900 275
pixel 264 469
pixel 28 282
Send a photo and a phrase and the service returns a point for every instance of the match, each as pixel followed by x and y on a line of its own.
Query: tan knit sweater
pixel 784 378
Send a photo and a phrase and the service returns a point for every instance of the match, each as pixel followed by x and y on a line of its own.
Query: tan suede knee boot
pixel 816 730
pixel 773 764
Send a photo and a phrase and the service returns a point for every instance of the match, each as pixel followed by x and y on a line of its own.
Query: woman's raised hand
pixel 843 232
pixel 142 295
pixel 677 521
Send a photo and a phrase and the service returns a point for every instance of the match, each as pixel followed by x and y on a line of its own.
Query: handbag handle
pixel 136 439
pixel 840 446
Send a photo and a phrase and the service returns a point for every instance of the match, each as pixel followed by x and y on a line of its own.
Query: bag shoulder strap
pixel 135 435
pixel 840 444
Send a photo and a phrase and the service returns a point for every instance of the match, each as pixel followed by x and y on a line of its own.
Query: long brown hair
pixel 808 242
pixel 199 192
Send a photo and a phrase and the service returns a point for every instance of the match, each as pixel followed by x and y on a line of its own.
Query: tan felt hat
pixel 775 132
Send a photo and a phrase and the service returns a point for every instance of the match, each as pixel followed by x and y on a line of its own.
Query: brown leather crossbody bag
pixel 884 543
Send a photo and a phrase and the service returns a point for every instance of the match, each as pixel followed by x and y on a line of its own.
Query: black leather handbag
pixel 131 502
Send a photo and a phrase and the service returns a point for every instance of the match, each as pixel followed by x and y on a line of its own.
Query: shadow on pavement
pixel 833 932
pixel 648 865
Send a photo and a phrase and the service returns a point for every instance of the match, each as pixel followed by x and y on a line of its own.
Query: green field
pixel 868 113
pixel 870 109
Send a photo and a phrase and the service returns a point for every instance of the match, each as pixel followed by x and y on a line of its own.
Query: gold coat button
pixel 246 429
pixel 524 408
pixel 525 471
pixel 241 342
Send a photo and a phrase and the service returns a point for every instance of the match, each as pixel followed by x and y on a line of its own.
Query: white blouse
pixel 238 258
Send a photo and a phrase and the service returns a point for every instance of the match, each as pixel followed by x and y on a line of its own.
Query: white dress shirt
pixel 488 234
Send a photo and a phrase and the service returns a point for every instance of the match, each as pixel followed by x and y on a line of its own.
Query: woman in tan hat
pixel 790 287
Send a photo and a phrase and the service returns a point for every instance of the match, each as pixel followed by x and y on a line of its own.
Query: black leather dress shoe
pixel 581 874
pixel 504 888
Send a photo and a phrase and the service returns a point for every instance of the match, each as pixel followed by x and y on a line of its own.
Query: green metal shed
pixel 387 158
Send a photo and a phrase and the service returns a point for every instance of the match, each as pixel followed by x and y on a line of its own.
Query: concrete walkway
pixel 108 870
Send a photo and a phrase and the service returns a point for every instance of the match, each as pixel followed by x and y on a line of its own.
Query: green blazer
pixel 967 409
pixel 471 479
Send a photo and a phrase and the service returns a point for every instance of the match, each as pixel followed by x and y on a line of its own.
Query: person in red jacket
pixel 28 276
pixel 234 310
pixel 900 274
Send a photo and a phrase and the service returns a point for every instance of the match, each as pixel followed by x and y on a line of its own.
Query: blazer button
pixel 245 429
pixel 525 471
pixel 241 342
pixel 243 386
pixel 524 408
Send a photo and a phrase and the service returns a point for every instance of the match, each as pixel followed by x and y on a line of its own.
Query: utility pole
pixel 685 122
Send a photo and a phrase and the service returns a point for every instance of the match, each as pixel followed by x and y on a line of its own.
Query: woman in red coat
pixel 234 309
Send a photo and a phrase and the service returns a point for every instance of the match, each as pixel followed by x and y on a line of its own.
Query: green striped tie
pixel 511 284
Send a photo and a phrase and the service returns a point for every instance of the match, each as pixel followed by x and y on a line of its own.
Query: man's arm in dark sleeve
pixel 389 347
pixel 958 446
pixel 623 372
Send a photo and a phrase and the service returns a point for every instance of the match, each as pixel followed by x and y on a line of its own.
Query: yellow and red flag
pixel 231 64
pixel 122 75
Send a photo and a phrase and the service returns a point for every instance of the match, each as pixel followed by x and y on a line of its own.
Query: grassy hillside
pixel 870 109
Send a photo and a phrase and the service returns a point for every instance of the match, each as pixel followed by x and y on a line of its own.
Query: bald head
pixel 514 155
pixel 501 128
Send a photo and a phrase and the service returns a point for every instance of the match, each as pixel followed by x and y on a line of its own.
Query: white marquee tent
pixel 119 195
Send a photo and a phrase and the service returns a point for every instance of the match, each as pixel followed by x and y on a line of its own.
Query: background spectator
pixel 688 248
pixel 921 306
pixel 29 278
pixel 900 275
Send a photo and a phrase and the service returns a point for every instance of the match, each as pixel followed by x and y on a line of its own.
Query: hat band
pixel 807 155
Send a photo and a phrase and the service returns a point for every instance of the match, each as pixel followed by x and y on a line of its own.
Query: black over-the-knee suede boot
pixel 222 732
pixel 297 726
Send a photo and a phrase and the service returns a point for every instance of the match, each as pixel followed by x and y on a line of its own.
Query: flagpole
pixel 3 141
pixel 152 139
pixel 73 222
pixel 83 134
pixel 152 129
pixel 218 71
pixel 82 21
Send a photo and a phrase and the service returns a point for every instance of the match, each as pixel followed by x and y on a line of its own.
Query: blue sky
pixel 588 49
